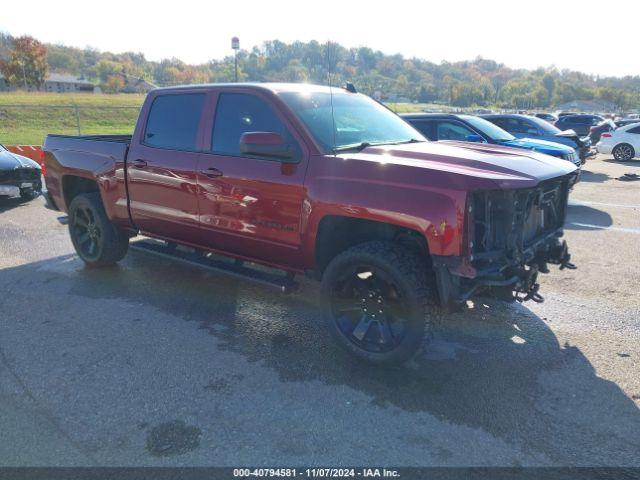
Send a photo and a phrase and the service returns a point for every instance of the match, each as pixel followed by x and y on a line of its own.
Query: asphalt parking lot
pixel 156 363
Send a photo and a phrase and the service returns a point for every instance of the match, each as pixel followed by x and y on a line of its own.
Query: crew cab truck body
pixel 308 179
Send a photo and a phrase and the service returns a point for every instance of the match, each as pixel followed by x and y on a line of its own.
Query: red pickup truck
pixel 327 182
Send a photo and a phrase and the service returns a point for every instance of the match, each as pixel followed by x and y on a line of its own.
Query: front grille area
pixel 572 157
pixel 508 222
pixel 20 175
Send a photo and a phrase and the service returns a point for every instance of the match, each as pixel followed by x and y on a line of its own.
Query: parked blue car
pixel 467 128
pixel 526 126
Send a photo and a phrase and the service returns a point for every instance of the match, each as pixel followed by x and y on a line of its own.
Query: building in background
pixel 55 82
pixel 62 83
pixel 591 106
pixel 135 84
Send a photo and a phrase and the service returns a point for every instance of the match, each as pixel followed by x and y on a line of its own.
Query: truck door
pixel 161 167
pixel 249 205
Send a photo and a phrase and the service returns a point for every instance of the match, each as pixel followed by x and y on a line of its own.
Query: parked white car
pixel 623 142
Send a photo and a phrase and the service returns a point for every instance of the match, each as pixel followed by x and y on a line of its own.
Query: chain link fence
pixel 29 124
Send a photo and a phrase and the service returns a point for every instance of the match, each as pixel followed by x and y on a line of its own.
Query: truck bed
pixel 112 146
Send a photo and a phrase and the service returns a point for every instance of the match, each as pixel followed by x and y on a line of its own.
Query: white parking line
pixel 602 227
pixel 575 202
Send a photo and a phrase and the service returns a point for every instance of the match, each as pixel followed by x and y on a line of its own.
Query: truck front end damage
pixel 511 237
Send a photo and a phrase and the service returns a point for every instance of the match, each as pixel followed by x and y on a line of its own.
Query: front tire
pixel 97 241
pixel 378 301
pixel 623 152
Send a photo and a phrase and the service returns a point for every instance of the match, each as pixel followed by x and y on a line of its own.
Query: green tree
pixel 549 84
pixel 27 63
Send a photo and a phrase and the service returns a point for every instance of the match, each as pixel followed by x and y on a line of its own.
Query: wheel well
pixel 336 234
pixel 72 186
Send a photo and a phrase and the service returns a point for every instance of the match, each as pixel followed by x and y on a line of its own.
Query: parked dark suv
pixel 581 124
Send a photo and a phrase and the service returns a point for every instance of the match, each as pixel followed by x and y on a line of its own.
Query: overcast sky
pixel 590 36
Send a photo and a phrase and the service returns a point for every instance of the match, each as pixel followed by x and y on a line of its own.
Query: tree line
pixel 478 82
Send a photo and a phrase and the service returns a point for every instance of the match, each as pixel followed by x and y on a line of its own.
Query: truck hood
pixel 483 165
pixel 9 161
pixel 544 146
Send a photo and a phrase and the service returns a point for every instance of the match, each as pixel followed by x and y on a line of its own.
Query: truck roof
pixel 265 86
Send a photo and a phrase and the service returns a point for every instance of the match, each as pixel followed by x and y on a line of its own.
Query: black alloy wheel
pixel 368 309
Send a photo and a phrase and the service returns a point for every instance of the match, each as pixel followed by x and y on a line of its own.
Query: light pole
pixel 235 44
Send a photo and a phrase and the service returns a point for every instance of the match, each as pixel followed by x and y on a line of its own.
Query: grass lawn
pixel 25 118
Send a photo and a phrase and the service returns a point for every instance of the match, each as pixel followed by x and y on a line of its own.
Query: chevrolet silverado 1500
pixel 327 182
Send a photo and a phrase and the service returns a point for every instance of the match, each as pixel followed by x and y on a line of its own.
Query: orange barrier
pixel 34 152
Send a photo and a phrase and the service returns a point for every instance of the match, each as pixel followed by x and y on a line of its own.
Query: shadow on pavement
pixel 587 176
pixel 583 217
pixel 496 367
pixel 635 163
pixel 9 203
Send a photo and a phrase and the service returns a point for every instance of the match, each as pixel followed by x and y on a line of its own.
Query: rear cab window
pixel 173 121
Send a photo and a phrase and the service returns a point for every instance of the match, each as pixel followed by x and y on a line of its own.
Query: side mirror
pixel 267 144
pixel 475 138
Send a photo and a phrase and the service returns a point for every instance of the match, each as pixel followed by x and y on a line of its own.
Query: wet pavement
pixel 157 363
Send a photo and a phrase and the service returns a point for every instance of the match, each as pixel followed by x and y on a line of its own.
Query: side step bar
pixel 236 269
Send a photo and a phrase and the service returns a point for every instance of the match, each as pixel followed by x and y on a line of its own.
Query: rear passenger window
pixel 173 121
pixel 238 113
pixel 634 130
pixel 453 131
pixel 428 129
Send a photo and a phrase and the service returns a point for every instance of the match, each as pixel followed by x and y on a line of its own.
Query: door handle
pixel 139 163
pixel 211 172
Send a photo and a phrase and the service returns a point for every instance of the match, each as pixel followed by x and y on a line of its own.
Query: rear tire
pixel 379 302
pixel 623 152
pixel 98 242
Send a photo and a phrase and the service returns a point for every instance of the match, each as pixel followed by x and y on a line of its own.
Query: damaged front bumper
pixel 512 236
pixel 511 280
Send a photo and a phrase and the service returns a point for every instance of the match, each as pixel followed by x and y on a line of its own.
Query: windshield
pixel 359 120
pixel 493 132
pixel 544 126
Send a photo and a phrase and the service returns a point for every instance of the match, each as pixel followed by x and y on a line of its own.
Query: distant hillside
pixel 478 82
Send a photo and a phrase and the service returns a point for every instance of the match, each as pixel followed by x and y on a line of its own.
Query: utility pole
pixel 235 44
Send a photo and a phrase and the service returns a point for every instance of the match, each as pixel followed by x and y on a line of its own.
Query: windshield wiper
pixel 358 147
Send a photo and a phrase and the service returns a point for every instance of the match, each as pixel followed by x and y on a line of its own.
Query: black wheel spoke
pixel 347 305
pixel 81 221
pixel 83 237
pixel 362 328
pixel 386 335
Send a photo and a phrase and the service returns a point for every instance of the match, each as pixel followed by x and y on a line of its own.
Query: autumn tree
pixel 113 84
pixel 26 64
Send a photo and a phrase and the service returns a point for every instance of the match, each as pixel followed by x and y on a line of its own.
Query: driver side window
pixel 453 131
pixel 238 113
